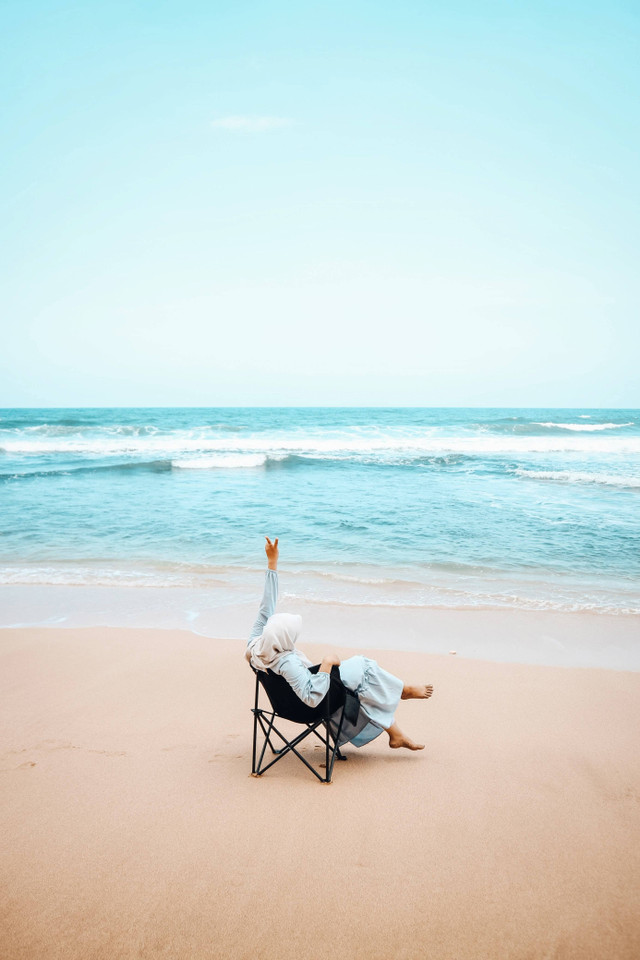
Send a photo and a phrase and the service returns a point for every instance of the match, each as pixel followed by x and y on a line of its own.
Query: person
pixel 272 646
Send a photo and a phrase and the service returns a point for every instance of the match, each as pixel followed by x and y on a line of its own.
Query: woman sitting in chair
pixel 272 647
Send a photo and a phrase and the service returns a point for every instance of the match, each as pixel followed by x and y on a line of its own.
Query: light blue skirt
pixel 378 691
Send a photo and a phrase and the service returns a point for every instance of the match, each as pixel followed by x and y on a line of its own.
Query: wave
pixel 584 427
pixel 70 429
pixel 480 602
pixel 389 448
pixel 78 576
pixel 577 476
pixel 521 426
pixel 222 461
pixel 376 592
pixel 26 423
pixel 214 462
pixel 153 466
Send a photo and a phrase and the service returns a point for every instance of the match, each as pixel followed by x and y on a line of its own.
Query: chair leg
pixel 254 772
pixel 328 769
pixel 255 743
pixel 267 725
pixel 267 739
pixel 336 747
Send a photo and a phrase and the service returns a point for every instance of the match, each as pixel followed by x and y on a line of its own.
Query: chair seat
pixel 287 704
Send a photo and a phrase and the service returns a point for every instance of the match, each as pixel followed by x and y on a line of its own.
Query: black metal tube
pixel 255 726
pixel 327 768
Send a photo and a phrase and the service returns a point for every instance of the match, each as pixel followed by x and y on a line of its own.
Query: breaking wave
pixel 228 461
pixel 577 476
pixel 388 447
pixel 584 427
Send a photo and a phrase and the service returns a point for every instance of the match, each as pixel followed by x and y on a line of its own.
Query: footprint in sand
pixel 226 756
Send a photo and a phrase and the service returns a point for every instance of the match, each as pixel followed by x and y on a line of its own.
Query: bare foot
pixel 421 691
pixel 403 741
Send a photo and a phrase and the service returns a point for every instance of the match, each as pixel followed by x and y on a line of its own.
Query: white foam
pixel 96 575
pixel 584 427
pixel 391 446
pixel 227 461
pixel 576 476
pixel 425 589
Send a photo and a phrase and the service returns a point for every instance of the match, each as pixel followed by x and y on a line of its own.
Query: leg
pixel 399 739
pixel 379 693
pixel 417 691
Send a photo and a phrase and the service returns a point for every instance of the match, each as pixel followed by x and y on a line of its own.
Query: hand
pixel 331 660
pixel 271 550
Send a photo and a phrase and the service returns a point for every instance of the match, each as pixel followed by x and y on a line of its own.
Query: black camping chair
pixel 338 707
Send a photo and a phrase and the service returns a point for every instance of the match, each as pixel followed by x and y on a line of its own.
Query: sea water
pixel 533 509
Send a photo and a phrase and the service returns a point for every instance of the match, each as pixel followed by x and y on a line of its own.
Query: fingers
pixel 276 543
pixel 269 541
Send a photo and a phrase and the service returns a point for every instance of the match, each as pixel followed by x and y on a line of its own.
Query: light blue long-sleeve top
pixel 378 691
pixel 293 666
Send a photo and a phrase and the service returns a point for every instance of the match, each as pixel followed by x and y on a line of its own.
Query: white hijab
pixel 278 637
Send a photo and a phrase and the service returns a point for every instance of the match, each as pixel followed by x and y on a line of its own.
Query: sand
pixel 131 827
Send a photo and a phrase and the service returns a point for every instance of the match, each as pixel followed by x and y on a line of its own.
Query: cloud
pixel 251 124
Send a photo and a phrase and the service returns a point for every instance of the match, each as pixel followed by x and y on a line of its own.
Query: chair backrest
pixel 287 704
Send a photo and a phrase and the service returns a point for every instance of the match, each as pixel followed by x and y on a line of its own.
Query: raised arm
pixel 270 595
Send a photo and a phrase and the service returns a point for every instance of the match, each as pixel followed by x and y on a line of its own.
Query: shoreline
pixel 437 586
pixel 501 635
pixel 134 830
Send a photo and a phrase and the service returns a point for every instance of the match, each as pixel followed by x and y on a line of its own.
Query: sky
pixel 343 203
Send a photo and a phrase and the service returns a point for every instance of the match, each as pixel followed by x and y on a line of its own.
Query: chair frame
pixel 320 716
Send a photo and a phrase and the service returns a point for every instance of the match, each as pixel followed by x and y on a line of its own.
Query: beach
pixel 492 553
pixel 132 828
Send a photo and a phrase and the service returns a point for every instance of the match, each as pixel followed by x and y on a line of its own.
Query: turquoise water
pixel 441 507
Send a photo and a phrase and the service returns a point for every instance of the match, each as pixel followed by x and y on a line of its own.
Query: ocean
pixel 463 508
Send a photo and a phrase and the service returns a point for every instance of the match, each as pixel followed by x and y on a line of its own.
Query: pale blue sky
pixel 341 203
